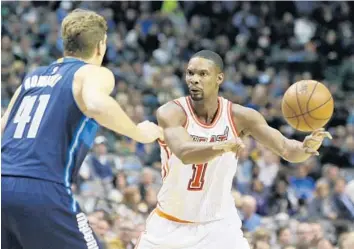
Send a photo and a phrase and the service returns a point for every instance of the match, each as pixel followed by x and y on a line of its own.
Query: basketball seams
pixel 298 103
pixel 317 108
pixel 297 119
pixel 308 101
pixel 314 109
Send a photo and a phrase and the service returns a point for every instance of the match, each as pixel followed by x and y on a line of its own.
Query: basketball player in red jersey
pixel 202 133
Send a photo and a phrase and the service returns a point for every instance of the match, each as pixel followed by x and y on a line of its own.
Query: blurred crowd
pixel 266 46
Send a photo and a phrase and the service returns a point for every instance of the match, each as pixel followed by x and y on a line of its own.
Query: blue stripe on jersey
pixel 70 163
pixel 73 147
pixel 85 134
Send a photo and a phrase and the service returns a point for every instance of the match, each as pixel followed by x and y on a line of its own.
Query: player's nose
pixel 196 80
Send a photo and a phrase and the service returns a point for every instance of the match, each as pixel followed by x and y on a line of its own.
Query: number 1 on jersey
pixel 23 115
pixel 197 181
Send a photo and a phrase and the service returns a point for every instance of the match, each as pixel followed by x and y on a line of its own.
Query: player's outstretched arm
pixel 250 122
pixel 171 118
pixel 98 83
pixel 5 117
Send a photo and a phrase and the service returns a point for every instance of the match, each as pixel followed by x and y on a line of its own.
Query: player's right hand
pixel 233 145
pixel 151 131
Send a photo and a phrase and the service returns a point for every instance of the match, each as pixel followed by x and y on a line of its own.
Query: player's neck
pixel 89 61
pixel 206 109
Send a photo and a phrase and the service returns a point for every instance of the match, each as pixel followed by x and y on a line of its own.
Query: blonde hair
pixel 82 30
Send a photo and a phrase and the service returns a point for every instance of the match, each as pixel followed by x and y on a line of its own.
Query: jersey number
pixel 197 181
pixel 23 115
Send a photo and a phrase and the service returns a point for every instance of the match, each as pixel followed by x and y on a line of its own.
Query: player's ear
pixel 220 78
pixel 100 47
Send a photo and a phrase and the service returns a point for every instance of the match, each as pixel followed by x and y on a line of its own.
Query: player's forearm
pixel 195 152
pixel 290 150
pixel 109 114
pixel 294 152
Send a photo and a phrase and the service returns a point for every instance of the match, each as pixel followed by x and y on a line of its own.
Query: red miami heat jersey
pixel 200 192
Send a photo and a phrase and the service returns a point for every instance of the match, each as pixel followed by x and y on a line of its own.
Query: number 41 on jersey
pixel 23 115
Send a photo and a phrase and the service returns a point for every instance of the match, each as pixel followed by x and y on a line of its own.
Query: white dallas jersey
pixel 202 192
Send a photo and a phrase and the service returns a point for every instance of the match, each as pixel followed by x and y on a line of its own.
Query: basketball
pixel 307 105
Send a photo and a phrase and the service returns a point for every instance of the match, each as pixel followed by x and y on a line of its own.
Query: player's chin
pixel 196 97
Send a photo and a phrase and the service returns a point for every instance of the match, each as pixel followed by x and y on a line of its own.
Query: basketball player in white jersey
pixel 202 135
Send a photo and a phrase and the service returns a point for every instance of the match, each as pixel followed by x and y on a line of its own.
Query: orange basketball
pixel 307 105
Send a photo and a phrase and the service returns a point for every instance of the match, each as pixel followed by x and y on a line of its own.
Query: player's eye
pixel 203 74
pixel 189 72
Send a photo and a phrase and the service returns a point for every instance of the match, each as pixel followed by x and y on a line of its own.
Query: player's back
pixel 47 136
pixel 200 192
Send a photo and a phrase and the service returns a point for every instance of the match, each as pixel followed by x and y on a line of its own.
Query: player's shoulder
pixel 171 112
pixel 242 111
pixel 244 116
pixel 89 70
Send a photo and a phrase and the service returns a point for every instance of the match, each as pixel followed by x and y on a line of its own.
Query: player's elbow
pixel 183 154
pixel 186 160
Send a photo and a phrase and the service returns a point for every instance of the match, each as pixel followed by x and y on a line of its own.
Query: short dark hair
pixel 210 55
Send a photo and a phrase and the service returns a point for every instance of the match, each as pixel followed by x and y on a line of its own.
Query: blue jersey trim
pixel 85 133
pixel 72 149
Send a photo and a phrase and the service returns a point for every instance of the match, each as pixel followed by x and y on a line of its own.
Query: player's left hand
pixel 314 141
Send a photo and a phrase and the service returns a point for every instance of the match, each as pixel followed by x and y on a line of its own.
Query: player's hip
pixel 186 216
pixel 33 194
pixel 41 171
pixel 197 211
pixel 224 233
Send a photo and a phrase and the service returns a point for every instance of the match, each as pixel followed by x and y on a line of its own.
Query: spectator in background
pixel 97 165
pixel 119 183
pixel 269 166
pixel 321 206
pixel 260 244
pixel 283 237
pixel 262 234
pixel 348 150
pixel 244 169
pixel 344 206
pixel 126 234
pixel 282 200
pixel 147 180
pixel 131 207
pixel 250 220
pixel 261 195
pixel 304 236
pixel 330 175
pixel 319 241
pixel 150 199
pixel 302 184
